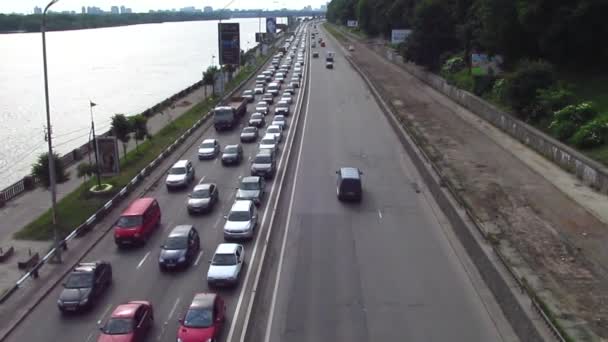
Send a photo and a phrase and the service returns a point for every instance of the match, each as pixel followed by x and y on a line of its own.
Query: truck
pixel 227 115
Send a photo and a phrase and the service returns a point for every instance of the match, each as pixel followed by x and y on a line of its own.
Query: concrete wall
pixel 589 171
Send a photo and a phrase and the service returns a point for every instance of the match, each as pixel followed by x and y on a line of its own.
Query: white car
pixel 287 98
pixel 262 107
pixel 181 174
pixel 269 142
pixel 241 221
pixel 226 265
pixel 275 130
pixel 351 48
pixel 209 149
pixel 282 108
pixel 280 121
pixel 258 90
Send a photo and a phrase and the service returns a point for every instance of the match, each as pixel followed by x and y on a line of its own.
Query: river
pixel 122 69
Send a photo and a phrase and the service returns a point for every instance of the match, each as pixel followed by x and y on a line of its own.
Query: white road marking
pixel 216 225
pixel 202 179
pixel 143 260
pixel 172 312
pixel 200 254
pixel 258 239
pixel 105 312
pixel 380 214
pixel 286 234
pixel 89 337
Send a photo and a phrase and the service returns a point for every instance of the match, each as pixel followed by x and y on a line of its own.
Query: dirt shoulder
pixel 550 240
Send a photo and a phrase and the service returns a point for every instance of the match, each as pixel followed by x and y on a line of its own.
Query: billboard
pixel 107 153
pixel 229 43
pixel 352 23
pixel 400 36
pixel 271 25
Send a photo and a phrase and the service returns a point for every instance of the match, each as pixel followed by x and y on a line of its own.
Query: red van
pixel 137 222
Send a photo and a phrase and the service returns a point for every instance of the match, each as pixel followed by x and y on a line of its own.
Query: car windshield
pixel 278 118
pixel 207 145
pixel 273 130
pixel 261 104
pixel 249 185
pixel 262 160
pixel 79 281
pixel 249 129
pixel 201 193
pixel 224 260
pixel 129 221
pixel 177 171
pixel 118 326
pixel 198 318
pixel 230 149
pixel 247 92
pixel 268 141
pixel 176 242
pixel 239 216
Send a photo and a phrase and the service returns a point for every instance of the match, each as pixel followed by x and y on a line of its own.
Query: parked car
pixel 180 248
pixel 130 322
pixel 180 175
pixel 137 222
pixel 203 198
pixel 204 319
pixel 209 149
pixel 226 265
pixel 84 285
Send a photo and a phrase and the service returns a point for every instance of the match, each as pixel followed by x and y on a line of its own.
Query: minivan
pixel 137 222
pixel 241 221
pixel 349 184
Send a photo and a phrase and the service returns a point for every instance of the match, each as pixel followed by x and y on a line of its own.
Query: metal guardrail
pixel 102 212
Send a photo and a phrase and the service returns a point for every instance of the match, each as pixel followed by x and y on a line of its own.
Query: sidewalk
pixel 551 227
pixel 22 210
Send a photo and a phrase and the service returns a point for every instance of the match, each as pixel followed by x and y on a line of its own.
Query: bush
pixel 592 134
pixel 569 119
pixel 523 84
pixel 40 170
pixel 483 84
pixel 453 65
pixel 498 90
pixel 547 102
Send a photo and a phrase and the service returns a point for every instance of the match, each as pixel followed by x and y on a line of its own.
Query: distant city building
pixel 37 10
pixel 208 9
pixel 323 7
pixel 84 10
pixel 307 8
pixel 123 9
pixel 115 10
pixel 128 10
pixel 94 10
pixel 189 9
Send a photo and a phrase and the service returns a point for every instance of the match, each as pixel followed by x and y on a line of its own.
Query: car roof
pixel 203 300
pixel 268 136
pixel 86 266
pixel 181 230
pixel 250 179
pixel 203 186
pixel 241 205
pixel 226 248
pixel 180 163
pixel 209 141
pixel 349 172
pixel 126 310
pixel 231 146
pixel 138 206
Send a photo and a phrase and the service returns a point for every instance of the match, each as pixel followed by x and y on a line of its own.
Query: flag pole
pixel 98 173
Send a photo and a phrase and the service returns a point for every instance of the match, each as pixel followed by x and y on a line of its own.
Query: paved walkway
pixel 22 210
pixel 552 228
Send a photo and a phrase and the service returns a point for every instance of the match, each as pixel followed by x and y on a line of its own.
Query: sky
pixel 27 6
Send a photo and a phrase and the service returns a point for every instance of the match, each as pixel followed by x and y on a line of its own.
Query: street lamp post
pixel 91 105
pixel 49 133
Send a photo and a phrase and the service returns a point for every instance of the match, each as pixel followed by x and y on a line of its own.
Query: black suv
pixel 84 285
pixel 349 184
pixel 264 164
pixel 180 248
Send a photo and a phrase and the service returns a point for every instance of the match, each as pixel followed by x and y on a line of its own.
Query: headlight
pixel 209 340
pixel 59 302
pixel 161 260
pixel 179 340
pixel 84 301
pixel 182 259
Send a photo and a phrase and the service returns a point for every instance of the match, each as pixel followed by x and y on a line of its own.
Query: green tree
pixel 139 123
pixel 121 128
pixel 85 170
pixel 41 169
pixel 209 78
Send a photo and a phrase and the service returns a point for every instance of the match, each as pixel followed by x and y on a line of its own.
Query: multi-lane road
pixel 386 269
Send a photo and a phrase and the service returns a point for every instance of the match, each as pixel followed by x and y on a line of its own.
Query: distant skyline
pixel 27 6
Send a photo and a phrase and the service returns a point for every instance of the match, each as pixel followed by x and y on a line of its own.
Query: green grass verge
pixel 331 28
pixel 78 206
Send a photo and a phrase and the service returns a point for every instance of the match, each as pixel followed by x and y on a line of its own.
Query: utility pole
pixel 91 105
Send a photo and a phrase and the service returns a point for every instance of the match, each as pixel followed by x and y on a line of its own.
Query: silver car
pixel 269 142
pixel 262 107
pixel 180 174
pixel 241 221
pixel 275 130
pixel 251 188
pixel 226 265
pixel 203 198
pixel 209 149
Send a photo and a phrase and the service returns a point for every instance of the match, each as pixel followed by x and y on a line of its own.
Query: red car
pixel 129 322
pixel 204 319
pixel 137 222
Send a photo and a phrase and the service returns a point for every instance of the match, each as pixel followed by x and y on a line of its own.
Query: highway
pixel 381 270
pixel 136 275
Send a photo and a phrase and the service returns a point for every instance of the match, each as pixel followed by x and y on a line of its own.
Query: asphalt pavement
pixel 386 269
pixel 136 273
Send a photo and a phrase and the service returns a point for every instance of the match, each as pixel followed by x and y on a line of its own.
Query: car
pixel 181 174
pixel 209 149
pixel 276 131
pixel 249 95
pixel 322 44
pixel 330 56
pixel 226 265
pixel 269 142
pixel 296 75
pixel 297 70
pixel 241 221
pixel 351 48
pixel 129 322
pixel 84 285
pixel 279 78
pixel 313 45
pixel 349 184
pixel 249 134
pixel 284 71
pixel 233 154
pixel 282 108
pixel 295 82
pixel 289 90
pixel 268 98
pixel 204 320
pixel 329 65
pixel 315 54
pixel 257 120
pixel 286 66
pixel 264 164
pixel 267 73
pixel 262 107
pixel 137 222
pixel 180 249
pixel 260 78
pixel 251 188
pixel 274 88
pixel 268 78
pixel 259 89
pixel 203 198
pixel 280 120
pixel 287 98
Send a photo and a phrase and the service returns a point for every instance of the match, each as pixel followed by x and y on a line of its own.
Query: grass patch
pixel 461 79
pixel 357 32
pixel 331 28
pixel 78 206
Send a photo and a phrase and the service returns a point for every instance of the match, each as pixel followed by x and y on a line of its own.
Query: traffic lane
pixel 378 270
pixel 143 261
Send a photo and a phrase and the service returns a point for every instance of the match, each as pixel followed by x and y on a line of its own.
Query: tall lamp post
pixel 91 105
pixel 52 180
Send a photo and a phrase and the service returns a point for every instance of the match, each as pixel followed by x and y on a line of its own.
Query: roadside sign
pixel 400 36
pixel 229 43
pixel 352 23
